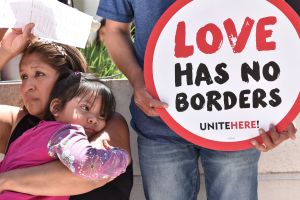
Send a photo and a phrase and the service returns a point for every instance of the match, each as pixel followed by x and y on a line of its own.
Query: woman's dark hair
pixel 78 84
pixel 62 58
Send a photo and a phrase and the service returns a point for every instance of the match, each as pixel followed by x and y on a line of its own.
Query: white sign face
pixel 226 69
pixel 53 20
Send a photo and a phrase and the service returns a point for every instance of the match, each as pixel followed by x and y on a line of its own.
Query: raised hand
pixel 15 40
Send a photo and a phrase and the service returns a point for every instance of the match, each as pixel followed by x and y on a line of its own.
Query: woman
pixel 53 178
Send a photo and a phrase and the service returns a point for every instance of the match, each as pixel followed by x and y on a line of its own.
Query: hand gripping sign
pixel 226 69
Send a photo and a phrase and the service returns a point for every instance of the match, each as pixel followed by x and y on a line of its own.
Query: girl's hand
pixel 106 145
pixel 15 40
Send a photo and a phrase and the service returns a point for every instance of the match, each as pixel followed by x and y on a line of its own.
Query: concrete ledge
pixel 279 169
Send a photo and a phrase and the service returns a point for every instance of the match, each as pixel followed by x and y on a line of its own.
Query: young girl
pixel 80 104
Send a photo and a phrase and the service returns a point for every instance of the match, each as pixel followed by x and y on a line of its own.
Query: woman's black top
pixel 118 189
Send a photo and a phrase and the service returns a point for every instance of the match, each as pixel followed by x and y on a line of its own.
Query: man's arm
pixel 118 42
pixel 9 115
pixel 54 179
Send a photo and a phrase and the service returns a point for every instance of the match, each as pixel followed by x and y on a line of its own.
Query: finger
pixel 275 136
pixel 153 103
pixel 146 106
pixel 292 131
pixel 17 30
pixel 266 140
pixel 284 136
pixel 27 30
pixel 149 111
pixel 148 101
pixel 259 147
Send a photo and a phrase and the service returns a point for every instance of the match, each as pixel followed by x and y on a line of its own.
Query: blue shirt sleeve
pixel 117 10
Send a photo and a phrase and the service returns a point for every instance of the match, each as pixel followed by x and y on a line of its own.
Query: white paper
pixel 53 20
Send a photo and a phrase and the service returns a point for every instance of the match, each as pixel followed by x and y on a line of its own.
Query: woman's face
pixel 38 79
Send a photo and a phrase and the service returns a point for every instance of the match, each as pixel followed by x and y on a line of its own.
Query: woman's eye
pixel 38 73
pixel 23 76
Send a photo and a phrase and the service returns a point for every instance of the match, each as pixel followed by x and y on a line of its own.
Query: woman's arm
pixel 51 179
pixel 8 117
pixel 59 180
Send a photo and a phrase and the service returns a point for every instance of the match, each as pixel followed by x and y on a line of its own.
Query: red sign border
pixel 168 119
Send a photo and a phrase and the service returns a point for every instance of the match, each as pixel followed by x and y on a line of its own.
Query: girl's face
pixel 38 79
pixel 84 111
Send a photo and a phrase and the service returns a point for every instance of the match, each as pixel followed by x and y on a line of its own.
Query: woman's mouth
pixel 30 98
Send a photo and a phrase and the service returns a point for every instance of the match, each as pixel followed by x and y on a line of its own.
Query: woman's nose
pixel 28 85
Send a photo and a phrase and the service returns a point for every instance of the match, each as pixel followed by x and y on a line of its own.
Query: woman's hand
pixel 274 138
pixel 15 40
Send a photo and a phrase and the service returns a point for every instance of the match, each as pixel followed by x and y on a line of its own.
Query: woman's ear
pixel 55 107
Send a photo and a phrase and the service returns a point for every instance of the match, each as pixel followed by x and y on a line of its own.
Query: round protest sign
pixel 225 69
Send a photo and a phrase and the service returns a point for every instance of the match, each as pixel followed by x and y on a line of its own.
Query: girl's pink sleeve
pixel 70 144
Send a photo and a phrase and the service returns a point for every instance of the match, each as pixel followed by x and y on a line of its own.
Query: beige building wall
pixel 87 6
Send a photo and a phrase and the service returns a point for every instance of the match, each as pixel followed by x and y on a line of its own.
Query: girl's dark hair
pixel 62 58
pixel 79 84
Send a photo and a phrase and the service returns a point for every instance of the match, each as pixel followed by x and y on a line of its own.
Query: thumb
pixel 27 30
